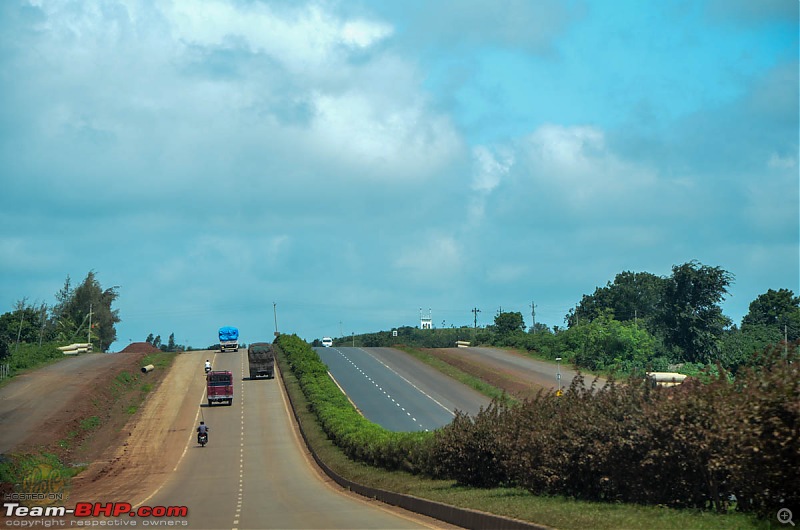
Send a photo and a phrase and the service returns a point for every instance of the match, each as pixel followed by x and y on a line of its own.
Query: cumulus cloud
pixel 434 258
pixel 223 88
pixel 375 141
pixel 576 163
pixel 489 168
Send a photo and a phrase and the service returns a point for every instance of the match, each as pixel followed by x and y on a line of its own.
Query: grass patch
pixel 159 359
pixel 558 512
pixel 90 423
pixel 35 472
pixel 132 409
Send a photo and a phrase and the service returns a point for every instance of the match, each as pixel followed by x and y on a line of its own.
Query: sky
pixel 340 167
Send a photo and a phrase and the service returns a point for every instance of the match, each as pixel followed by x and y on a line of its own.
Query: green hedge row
pixel 716 445
pixel 358 437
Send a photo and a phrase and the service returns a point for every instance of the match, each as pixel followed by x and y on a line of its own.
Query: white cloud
pixel 434 257
pixel 301 38
pixel 781 162
pixel 576 163
pixel 400 141
pixel 363 33
pixel 490 168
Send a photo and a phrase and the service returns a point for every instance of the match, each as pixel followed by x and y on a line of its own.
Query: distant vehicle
pixel 219 387
pixel 228 339
pixel 327 342
pixel 261 358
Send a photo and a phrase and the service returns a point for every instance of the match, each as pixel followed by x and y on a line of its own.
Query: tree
pixel 606 343
pixel 88 302
pixel 149 339
pixel 171 342
pixel 24 324
pixel 691 320
pixel 506 323
pixel 776 309
pixel 634 296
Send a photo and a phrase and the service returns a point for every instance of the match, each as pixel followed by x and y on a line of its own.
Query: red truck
pixel 219 387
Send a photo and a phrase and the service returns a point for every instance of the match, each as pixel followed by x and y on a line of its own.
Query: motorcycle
pixel 208 369
pixel 202 438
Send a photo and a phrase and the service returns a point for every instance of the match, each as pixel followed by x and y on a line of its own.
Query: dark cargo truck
pixel 261 357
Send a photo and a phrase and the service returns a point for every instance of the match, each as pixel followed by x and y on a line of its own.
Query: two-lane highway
pixel 397 391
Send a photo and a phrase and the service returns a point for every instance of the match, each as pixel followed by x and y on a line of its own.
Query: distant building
pixel 425 322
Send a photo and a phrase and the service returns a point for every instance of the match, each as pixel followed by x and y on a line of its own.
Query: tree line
pixel 82 313
pixel 639 321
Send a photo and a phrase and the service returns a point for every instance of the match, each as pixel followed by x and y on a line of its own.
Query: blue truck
pixel 228 339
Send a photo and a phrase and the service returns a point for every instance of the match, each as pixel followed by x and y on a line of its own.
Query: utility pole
pixel 89 333
pixel 275 315
pixel 475 312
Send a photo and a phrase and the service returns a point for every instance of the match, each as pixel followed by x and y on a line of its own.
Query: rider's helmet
pixel 202 423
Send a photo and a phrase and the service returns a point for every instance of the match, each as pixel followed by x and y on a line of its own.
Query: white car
pixel 327 342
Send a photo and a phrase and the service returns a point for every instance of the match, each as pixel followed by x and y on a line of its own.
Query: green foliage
pixel 509 322
pixel 607 344
pixel 28 356
pixel 631 296
pixel 26 324
pixel 85 311
pixel 691 446
pixel 741 347
pixel 779 310
pixel 16 468
pixel 90 423
pixel 358 437
pixel 691 319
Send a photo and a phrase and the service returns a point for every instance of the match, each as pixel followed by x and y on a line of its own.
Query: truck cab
pixel 228 339
pixel 219 387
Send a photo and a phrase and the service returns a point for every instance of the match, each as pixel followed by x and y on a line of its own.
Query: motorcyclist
pixel 202 429
pixel 208 365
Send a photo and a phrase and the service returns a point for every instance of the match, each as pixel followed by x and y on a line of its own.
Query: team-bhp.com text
pixel 89 514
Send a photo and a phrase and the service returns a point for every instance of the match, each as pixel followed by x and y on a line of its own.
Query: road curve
pixel 396 390
pixel 254 473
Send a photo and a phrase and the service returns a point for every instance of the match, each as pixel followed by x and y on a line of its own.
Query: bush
pixel 694 445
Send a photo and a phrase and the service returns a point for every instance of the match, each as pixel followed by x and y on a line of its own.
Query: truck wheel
pixel 209 402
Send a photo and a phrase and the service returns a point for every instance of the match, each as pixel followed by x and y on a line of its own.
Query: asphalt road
pixel 397 391
pixel 254 472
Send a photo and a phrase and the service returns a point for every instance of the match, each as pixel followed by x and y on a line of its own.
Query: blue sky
pixel 353 162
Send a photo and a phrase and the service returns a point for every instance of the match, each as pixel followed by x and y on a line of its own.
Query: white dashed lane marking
pixel 380 389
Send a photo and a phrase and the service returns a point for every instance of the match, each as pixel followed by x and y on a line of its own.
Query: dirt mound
pixel 140 347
